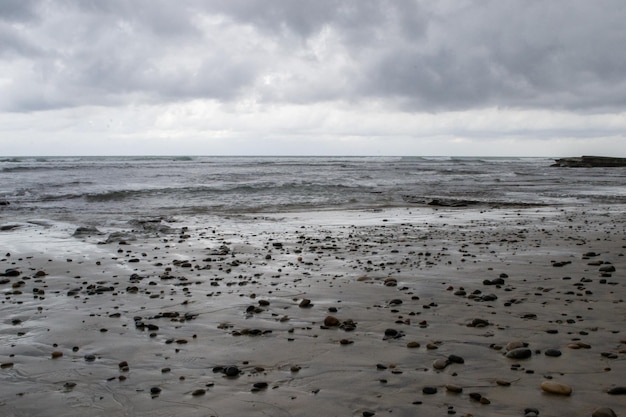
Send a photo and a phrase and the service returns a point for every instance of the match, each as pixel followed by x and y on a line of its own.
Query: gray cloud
pixel 417 55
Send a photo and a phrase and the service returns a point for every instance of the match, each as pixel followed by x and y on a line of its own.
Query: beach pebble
pixel 331 321
pixel 429 390
pixel 553 387
pixel 475 396
pixel 456 359
pixel 531 412
pixel 552 352
pixel 390 282
pixel 454 388
pixel 519 353
pixel 260 385
pixel 478 323
pixel 393 334
pixel 231 371
pixel 515 345
pixel 603 412
pixel 607 268
pixel 56 354
pixel 305 303
pixel 413 345
pixel 440 364
pixel 617 391
pixel 155 391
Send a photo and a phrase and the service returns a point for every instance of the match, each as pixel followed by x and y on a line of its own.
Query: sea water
pixel 97 190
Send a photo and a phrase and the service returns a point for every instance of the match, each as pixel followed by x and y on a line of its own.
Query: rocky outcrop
pixel 590 162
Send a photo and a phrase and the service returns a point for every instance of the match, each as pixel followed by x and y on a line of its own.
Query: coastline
pixel 408 286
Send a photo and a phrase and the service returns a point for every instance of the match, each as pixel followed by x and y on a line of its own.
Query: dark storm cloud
pixel 18 10
pixel 419 55
pixel 529 54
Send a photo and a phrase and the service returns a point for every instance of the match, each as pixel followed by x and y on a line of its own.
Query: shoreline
pixel 407 285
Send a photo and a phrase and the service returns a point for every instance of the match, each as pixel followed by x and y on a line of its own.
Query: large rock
pixel 590 162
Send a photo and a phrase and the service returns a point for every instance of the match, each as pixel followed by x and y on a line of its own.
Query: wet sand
pixel 400 312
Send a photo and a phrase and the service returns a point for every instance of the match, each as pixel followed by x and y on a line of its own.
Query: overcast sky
pixel 322 77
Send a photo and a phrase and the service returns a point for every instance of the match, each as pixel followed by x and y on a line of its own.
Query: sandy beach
pixel 408 311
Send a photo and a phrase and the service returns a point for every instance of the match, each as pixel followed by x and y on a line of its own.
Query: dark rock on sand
pixel 331 321
pixel 231 371
pixel 519 353
pixel 393 334
pixel 617 391
pixel 86 231
pixel 552 352
pixel 456 359
pixel 531 412
pixel 305 303
pixel 429 390
pixel 478 323
pixel 607 268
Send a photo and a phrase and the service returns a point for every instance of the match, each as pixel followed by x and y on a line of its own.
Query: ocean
pixel 98 190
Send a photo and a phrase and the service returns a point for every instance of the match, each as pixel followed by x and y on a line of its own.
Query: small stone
pixel 478 323
pixel 231 371
pixel 198 392
pixel 456 359
pixel 393 334
pixel 440 364
pixel 529 412
pixel 552 353
pixel 603 412
pixel 514 345
pixel 412 345
pixel 260 385
pixel 519 353
pixel 454 388
pixel 475 396
pixel 155 390
pixel 90 357
pixel 69 385
pixel 557 388
pixel 56 354
pixel 305 303
pixel 368 414
pixel 503 383
pixel 331 321
pixel 607 268
pixel 429 390
pixel 346 342
pixel 617 391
